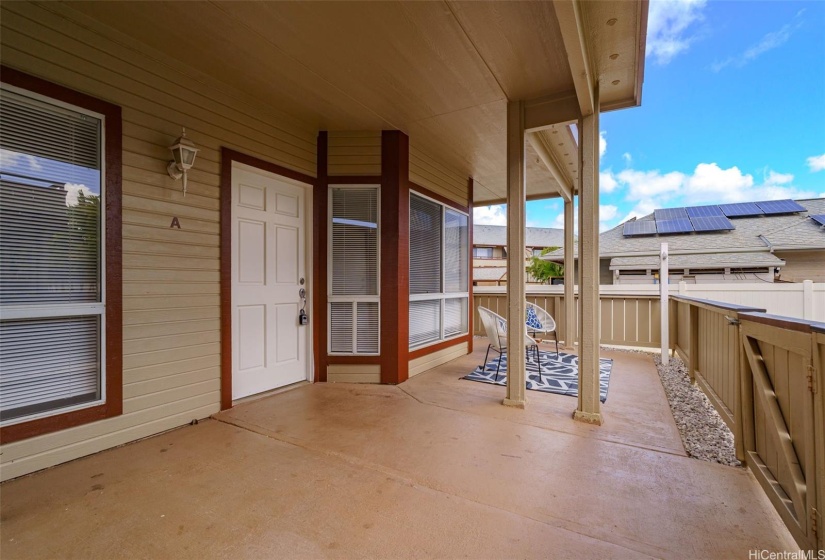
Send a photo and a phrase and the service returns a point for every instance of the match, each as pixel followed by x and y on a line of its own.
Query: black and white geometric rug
pixel 559 375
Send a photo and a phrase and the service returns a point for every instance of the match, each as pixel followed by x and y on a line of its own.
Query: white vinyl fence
pixel 805 300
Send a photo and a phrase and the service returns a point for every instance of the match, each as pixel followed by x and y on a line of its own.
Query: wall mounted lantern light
pixel 184 152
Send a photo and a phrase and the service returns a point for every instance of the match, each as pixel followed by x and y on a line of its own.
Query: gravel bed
pixel 704 434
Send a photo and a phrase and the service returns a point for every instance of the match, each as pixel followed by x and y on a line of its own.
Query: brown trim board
pixel 439 198
pixel 320 209
pixel 229 155
pixel 113 128
pixel 470 188
pixel 427 350
pixel 395 256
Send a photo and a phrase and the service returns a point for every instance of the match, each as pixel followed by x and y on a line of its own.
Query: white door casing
pixel 269 346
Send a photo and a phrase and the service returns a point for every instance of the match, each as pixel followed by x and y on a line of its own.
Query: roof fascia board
pixel 571 25
pixel 548 157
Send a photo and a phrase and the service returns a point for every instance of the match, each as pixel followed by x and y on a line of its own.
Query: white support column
pixel 516 271
pixel 569 275
pixel 589 307
pixel 664 303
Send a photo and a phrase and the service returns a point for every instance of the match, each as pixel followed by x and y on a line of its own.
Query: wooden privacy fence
pixel 628 318
pixel 764 375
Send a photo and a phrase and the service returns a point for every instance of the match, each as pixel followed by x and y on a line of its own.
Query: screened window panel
pixel 455 316
pixel 425 321
pixel 455 252
pixel 367 327
pixel 425 246
pixel 50 207
pixel 355 241
pixel 340 334
pixel 48 364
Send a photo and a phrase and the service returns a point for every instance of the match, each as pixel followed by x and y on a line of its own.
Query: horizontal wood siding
pixel 354 153
pixel 171 314
pixel 802 265
pixel 439 178
pixel 428 362
pixel 353 373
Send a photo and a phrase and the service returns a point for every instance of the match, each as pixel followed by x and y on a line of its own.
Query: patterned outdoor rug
pixel 559 375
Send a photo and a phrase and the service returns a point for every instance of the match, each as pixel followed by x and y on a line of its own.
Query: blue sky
pixel 733 109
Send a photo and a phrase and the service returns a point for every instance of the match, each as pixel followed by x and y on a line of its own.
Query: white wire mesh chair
pixel 496 328
pixel 540 322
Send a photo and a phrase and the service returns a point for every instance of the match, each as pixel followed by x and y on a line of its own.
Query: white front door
pixel 269 346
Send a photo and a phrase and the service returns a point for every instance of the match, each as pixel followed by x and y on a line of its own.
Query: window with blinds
pixel 51 261
pixel 354 267
pixel 439 272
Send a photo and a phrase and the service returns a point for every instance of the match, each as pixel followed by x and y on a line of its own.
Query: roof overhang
pixel 440 71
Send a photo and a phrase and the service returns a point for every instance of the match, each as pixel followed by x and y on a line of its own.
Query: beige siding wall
pixel 802 265
pixel 424 363
pixel 426 171
pixel 354 153
pixel 346 373
pixel 171 313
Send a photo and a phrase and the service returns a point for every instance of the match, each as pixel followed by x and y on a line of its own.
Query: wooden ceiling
pixel 440 71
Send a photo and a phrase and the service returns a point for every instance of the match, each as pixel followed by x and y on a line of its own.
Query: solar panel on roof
pixel 639 227
pixel 712 223
pixel 670 214
pixel 780 207
pixel 818 218
pixel 703 211
pixel 740 209
pixel 682 225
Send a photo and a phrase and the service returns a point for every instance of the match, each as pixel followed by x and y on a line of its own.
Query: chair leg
pixel 538 358
pixel 487 355
pixel 498 366
pixel 556 336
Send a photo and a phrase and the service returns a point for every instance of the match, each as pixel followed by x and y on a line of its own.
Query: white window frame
pixel 56 311
pixel 442 296
pixel 490 249
pixel 354 300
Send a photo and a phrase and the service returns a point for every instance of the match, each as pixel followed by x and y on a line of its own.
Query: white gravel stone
pixel 704 434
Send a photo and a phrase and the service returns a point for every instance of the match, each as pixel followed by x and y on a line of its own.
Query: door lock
pixel 303 318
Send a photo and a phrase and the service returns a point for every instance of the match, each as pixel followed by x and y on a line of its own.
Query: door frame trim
pixel 228 157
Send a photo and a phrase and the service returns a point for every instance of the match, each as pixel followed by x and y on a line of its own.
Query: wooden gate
pixel 779 428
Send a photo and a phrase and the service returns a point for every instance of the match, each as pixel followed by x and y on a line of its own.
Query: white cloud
pixel 559 221
pixel 646 184
pixel 72 191
pixel 607 183
pixel 642 208
pixel 490 215
pixel 34 165
pixel 768 42
pixel 628 159
pixel 602 143
pixel 669 27
pixel 816 163
pixel 607 212
pixel 708 184
pixel 9 159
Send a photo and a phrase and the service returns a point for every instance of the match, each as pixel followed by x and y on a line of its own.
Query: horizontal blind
pixel 367 327
pixel 455 251
pixel 50 220
pixel 455 316
pixel 355 241
pixel 425 246
pixel 50 132
pixel 48 364
pixel 425 321
pixel 340 327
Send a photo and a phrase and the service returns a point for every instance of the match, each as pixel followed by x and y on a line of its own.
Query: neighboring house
pixel 490 251
pixel 782 247
pixel 324 231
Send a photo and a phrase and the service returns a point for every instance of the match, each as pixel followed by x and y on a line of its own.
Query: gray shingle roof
pixel 535 237
pixel 702 260
pixel 790 231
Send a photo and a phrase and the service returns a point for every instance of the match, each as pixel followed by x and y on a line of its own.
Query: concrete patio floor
pixel 435 467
